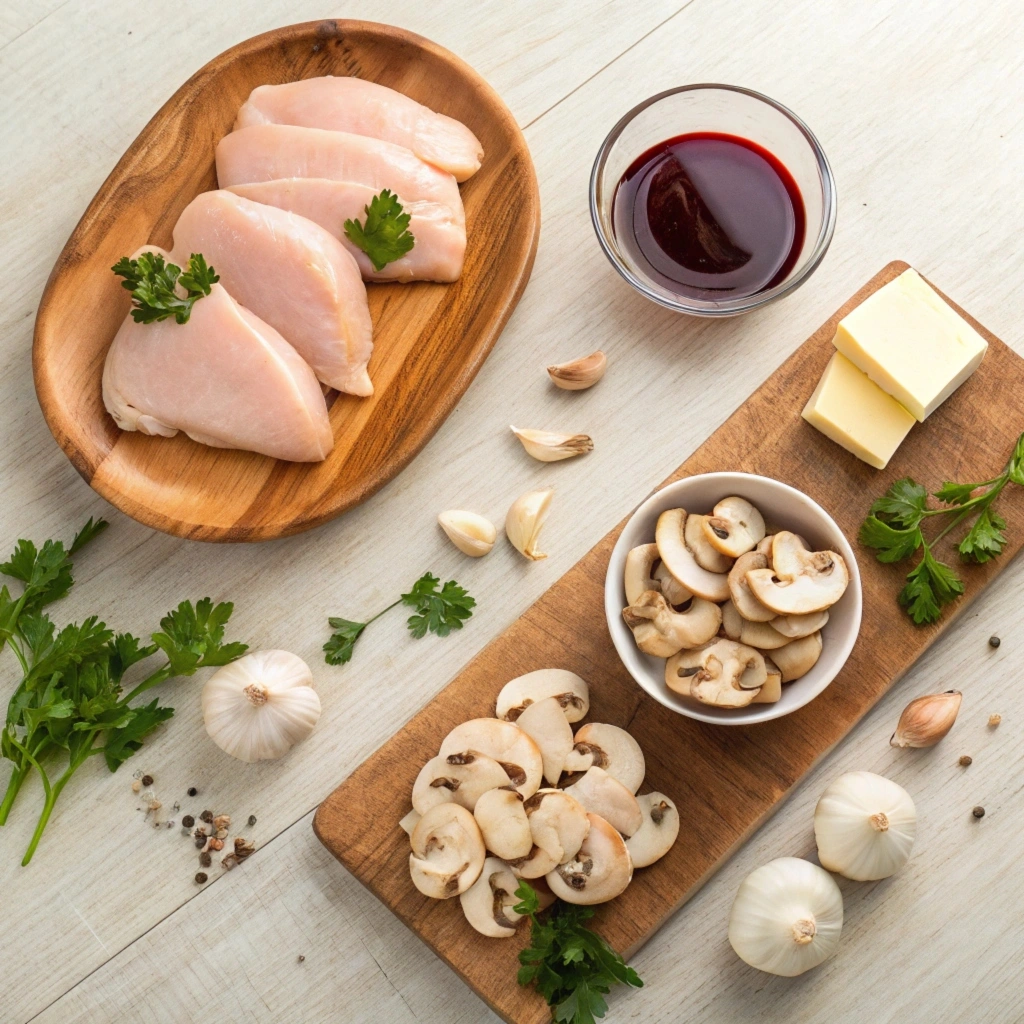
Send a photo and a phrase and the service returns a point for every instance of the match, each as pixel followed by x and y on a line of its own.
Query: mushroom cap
pixel 656 835
pixel 723 673
pixel 506 743
pixel 798 657
pixel 601 793
pixel 488 902
pixel 503 823
pixel 572 693
pixel 675 593
pixel 610 748
pixel 800 581
pixel 762 636
pixel 706 556
pixel 460 778
pixel 545 723
pixel 638 573
pixel 679 560
pixel 796 626
pixel 558 823
pixel 600 870
pixel 772 689
pixel 735 527
pixel 660 630
pixel 744 601
pixel 447 852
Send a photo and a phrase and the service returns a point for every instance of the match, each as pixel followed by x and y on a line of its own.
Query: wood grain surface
pixel 725 781
pixel 429 339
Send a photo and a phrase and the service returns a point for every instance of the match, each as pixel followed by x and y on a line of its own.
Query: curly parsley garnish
pixel 154 286
pixel 385 237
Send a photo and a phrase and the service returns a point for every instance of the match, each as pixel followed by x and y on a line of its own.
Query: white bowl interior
pixel 784 508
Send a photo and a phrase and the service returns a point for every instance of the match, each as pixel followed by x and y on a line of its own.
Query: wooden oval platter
pixel 429 339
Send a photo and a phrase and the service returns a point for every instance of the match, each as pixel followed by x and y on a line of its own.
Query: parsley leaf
pixel 905 502
pixel 437 611
pixel 892 544
pixel 985 539
pixel 385 236
pixel 123 741
pixel 338 649
pixel 154 285
pixel 930 585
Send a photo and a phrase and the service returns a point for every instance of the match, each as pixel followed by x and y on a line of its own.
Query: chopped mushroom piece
pixel 447 852
pixel 796 626
pixel 545 723
pixel 505 743
pixel 656 835
pixel 460 778
pixel 488 902
pixel 772 689
pixel 503 823
pixel 662 631
pixel 762 636
pixel 610 748
pixel 743 600
pixel 724 673
pixel 735 527
pixel 679 560
pixel 601 793
pixel 558 824
pixel 705 555
pixel 798 657
pixel 675 593
pixel 600 870
pixel 572 692
pixel 801 581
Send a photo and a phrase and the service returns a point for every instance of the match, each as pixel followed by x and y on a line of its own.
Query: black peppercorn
pixel 201 878
pixel 301 958
pixel 978 812
pixel 252 820
pixel 965 760
pixel 147 780
pixel 206 816
pixel 192 791
pixel 205 860
pixel 994 641
pixel 188 821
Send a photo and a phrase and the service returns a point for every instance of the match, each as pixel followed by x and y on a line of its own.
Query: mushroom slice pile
pixel 660 630
pixel 488 902
pixel 658 832
pixel 611 748
pixel 798 657
pixel 744 601
pixel 734 528
pixel 796 626
pixel 459 778
pixel 447 852
pixel 572 692
pixel 725 673
pixel 545 723
pixel 800 581
pixel 558 824
pixel 705 555
pixel 505 743
pixel 503 823
pixel 600 870
pixel 679 560
pixel 601 793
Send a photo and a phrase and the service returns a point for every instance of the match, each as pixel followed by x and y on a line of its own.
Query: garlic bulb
pixel 787 917
pixel 547 446
pixel 524 520
pixel 472 534
pixel 864 826
pixel 925 720
pixel 259 707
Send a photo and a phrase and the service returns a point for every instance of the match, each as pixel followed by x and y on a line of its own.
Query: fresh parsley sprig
pixel 385 237
pixel 572 967
pixel 437 611
pixel 154 285
pixel 895 530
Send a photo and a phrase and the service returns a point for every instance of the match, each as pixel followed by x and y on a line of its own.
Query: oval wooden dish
pixel 429 339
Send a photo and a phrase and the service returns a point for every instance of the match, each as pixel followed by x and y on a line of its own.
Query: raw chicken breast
pixel 266 152
pixel 226 378
pixel 292 274
pixel 365 108
pixel 440 236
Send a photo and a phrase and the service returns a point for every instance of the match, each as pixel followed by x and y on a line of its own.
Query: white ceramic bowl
pixel 783 507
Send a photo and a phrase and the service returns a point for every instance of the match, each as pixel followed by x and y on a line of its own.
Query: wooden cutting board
pixel 969 438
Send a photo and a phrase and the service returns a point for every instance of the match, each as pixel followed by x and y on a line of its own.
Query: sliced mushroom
pixel 764 547
pixel 488 902
pixel 788 557
pixel 705 555
pixel 535 865
pixel 408 823
pixel 517 694
pixel 459 778
pixel 662 631
pixel 798 657
pixel 735 527
pixel 772 689
pixel 600 870
pixel 505 743
pixel 656 835
pixel 801 581
pixel 610 748
pixel 796 626
pixel 675 593
pixel 744 601
pixel 503 823
pixel 724 673
pixel 732 621
pixel 679 560
pixel 447 852
pixel 638 575
pixel 762 636
pixel 601 793
pixel 558 824
pixel 545 723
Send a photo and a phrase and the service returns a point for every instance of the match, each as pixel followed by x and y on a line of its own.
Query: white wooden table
pixel 919 106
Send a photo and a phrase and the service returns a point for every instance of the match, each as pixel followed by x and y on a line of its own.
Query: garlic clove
pixel 925 720
pixel 579 374
pixel 524 521
pixel 547 446
pixel 472 534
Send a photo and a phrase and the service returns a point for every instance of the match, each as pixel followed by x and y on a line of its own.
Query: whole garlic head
pixel 259 707
pixel 787 917
pixel 864 826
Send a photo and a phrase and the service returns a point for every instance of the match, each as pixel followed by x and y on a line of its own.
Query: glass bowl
pixel 730 110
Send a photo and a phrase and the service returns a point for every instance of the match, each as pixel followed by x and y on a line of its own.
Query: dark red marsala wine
pixel 710 216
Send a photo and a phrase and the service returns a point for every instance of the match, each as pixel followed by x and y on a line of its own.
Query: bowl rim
pixel 732 483
pixel 732 307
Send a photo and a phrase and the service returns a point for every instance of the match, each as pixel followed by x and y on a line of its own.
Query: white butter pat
pixel 856 413
pixel 911 344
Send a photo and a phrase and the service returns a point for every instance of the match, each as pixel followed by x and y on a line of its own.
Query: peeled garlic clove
pixel 864 826
pixel 925 720
pixel 579 374
pixel 470 533
pixel 524 520
pixel 547 446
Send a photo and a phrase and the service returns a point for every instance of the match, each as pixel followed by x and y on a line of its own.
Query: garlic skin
pixel 259 707
pixel 547 446
pixel 524 520
pixel 472 534
pixel 925 720
pixel 864 826
pixel 787 917
pixel 579 374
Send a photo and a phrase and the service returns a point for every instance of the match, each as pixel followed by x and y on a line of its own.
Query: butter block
pixel 911 344
pixel 856 413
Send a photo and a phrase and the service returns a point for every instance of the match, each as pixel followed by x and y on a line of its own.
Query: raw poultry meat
pixel 266 152
pixel 365 108
pixel 225 377
pixel 292 274
pixel 440 236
